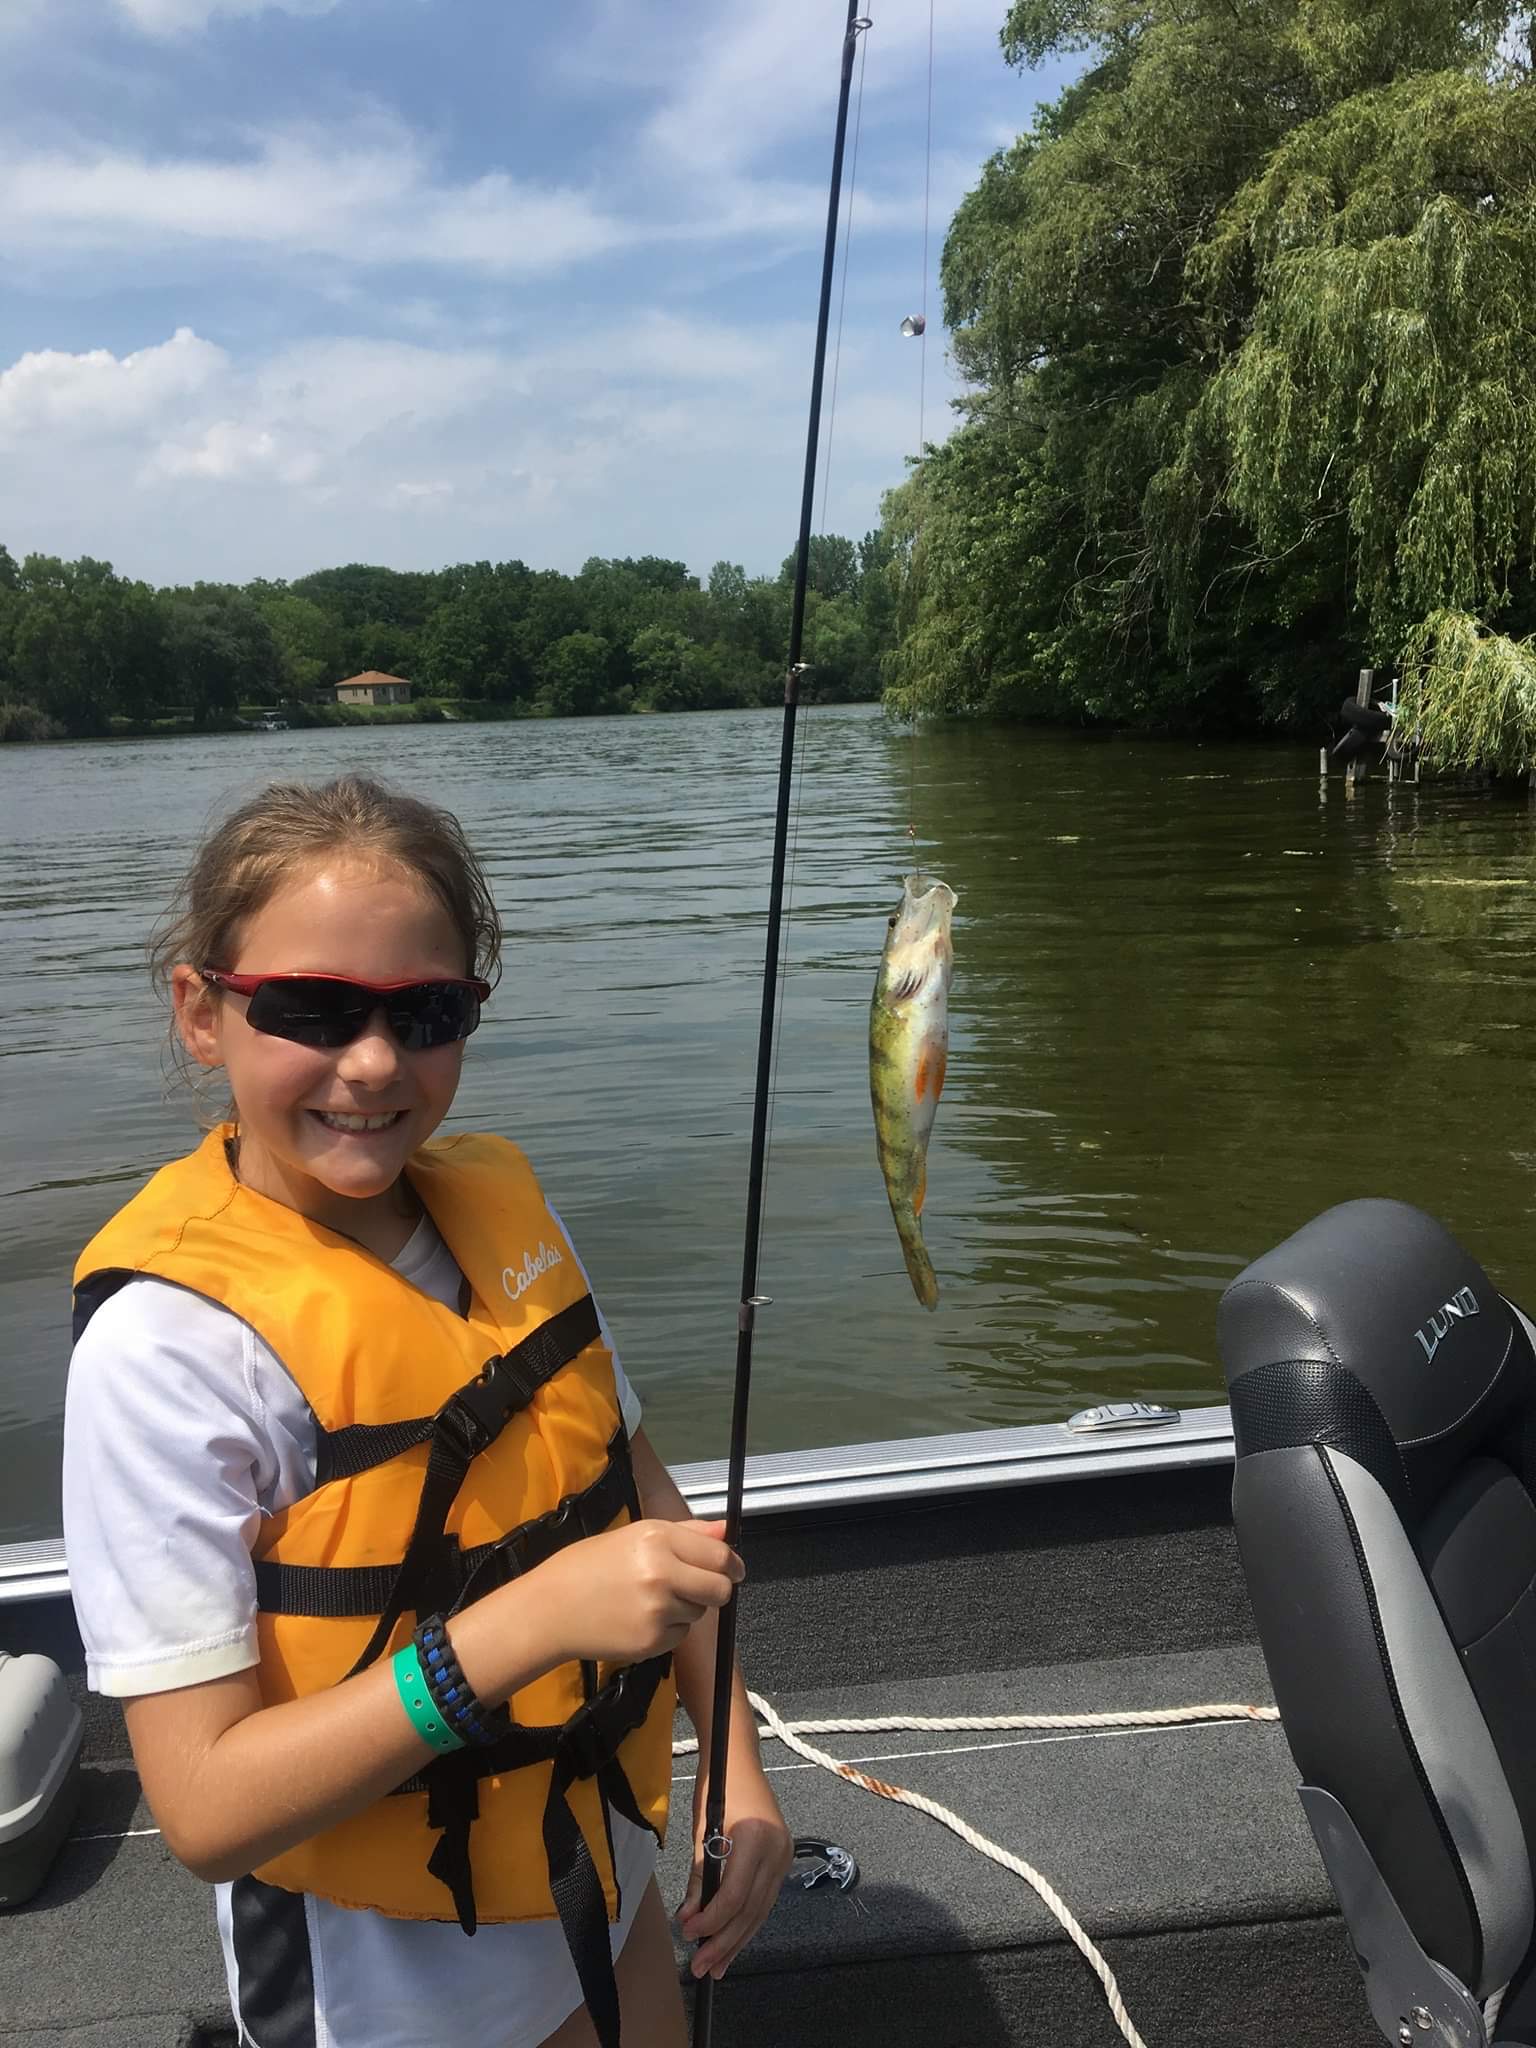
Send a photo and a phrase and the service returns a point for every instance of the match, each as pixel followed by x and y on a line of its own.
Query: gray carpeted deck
pixel 1185 1849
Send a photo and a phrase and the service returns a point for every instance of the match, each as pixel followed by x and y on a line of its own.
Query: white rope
pixel 886 1724
pixel 968 1834
pixel 790 1733
pixel 1491 2010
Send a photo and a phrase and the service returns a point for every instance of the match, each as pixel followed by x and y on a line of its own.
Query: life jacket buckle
pixel 472 1417
pixel 591 1737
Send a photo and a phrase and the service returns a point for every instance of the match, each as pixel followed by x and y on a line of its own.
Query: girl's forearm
pixel 288 1772
pixel 694 1663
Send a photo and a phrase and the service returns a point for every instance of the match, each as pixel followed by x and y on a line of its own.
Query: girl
pixel 362 1526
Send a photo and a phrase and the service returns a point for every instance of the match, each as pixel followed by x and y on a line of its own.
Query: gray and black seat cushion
pixel 1384 1406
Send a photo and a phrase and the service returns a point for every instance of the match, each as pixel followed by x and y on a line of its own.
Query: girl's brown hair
pixel 244 860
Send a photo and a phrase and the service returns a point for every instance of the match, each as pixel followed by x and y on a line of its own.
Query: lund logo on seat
pixel 1462 1303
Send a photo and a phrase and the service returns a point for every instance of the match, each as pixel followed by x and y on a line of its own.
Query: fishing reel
pixel 825 1863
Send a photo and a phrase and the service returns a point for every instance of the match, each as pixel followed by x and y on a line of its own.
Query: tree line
pixel 1247 318
pixel 85 651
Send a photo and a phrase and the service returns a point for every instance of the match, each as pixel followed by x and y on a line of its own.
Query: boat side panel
pixel 1037 1574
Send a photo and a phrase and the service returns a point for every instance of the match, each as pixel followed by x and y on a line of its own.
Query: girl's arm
pixel 762 1850
pixel 232 1782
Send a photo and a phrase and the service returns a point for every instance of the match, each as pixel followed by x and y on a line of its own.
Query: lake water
pixel 1195 1001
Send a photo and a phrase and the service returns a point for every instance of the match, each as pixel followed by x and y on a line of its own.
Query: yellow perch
pixel 908 1045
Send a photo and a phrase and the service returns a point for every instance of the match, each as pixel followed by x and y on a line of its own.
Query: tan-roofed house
pixel 373 687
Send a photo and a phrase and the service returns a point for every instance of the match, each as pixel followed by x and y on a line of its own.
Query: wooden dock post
pixel 1362 696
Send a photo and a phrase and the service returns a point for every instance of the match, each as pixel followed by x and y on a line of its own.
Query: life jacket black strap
pixel 591 1738
pixel 585 1747
pixel 483 1406
pixel 453 1805
pixel 468 1422
pixel 352 1591
pixel 578 1895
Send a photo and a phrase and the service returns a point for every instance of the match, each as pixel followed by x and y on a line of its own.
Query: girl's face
pixel 371 924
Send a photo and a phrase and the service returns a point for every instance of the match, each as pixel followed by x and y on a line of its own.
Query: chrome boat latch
pixel 1113 1415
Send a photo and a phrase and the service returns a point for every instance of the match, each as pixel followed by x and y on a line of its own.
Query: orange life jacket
pixel 454 1451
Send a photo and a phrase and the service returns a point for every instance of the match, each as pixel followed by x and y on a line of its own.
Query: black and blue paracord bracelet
pixel 451 1691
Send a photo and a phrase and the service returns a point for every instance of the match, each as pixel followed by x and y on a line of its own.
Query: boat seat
pixel 1384 1409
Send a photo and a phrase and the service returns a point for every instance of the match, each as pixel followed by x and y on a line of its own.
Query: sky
pixel 426 281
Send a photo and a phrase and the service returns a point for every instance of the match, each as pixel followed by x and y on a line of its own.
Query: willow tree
pixel 1246 315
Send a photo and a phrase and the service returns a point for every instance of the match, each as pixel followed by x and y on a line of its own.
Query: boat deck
pixel 1183 1852
pixel 1003 1572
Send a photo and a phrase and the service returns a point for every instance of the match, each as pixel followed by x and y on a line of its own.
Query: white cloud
pixel 371 197
pixel 182 17
pixel 661 344
pixel 97 392
pixel 652 434
pixel 235 449
pixel 368 195
pixel 414 493
pixel 753 78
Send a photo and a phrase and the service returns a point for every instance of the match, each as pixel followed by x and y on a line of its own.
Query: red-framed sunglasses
pixel 331 1009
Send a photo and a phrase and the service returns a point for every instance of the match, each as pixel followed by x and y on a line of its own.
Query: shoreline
pixel 39 729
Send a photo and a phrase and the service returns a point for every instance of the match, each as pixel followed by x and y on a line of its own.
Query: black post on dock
pixel 1362 697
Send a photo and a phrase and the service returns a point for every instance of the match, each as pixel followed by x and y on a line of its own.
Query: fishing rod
pixel 717 1844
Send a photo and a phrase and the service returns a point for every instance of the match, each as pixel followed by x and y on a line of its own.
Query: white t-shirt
pixel 183 1431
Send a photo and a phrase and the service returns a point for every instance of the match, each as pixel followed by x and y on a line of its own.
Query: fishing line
pixel 922 401
pixel 826 486
pixel 842 303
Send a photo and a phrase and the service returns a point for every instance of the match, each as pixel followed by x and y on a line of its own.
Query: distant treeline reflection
pixel 84 651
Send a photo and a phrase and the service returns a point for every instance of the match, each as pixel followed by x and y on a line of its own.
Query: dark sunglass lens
pixel 322 1013
pixel 435 1013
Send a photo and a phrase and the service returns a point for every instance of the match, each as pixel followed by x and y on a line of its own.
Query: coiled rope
pixel 792 1734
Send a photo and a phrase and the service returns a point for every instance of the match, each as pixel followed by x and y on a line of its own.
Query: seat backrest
pixel 1384 1408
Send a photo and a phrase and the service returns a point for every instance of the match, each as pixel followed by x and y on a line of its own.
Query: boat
pixel 1086 1566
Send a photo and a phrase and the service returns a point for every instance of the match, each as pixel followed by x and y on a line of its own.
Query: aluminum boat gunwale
pixel 813 1481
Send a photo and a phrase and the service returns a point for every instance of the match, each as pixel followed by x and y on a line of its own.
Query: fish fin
pixel 931 1069
pixel 922 1187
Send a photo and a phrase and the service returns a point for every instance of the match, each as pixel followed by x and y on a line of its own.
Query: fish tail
pixel 920 1271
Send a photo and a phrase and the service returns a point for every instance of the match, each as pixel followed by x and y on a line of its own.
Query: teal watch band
pixel 416 1698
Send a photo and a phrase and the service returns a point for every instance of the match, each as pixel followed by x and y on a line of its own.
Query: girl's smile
pixel 328 1130
pixel 358 1124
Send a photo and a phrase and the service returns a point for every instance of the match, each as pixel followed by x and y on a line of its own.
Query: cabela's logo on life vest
pixel 518 1279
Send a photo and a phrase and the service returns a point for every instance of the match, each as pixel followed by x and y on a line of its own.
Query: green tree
pixel 10 606
pixel 662 664
pixel 832 567
pixel 552 608
pixel 221 649
pixel 728 598
pixel 309 641
pixel 85 644
pixel 1243 315
pixel 576 676
pixel 837 651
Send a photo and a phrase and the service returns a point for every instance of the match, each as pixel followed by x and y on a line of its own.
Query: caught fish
pixel 908 1046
